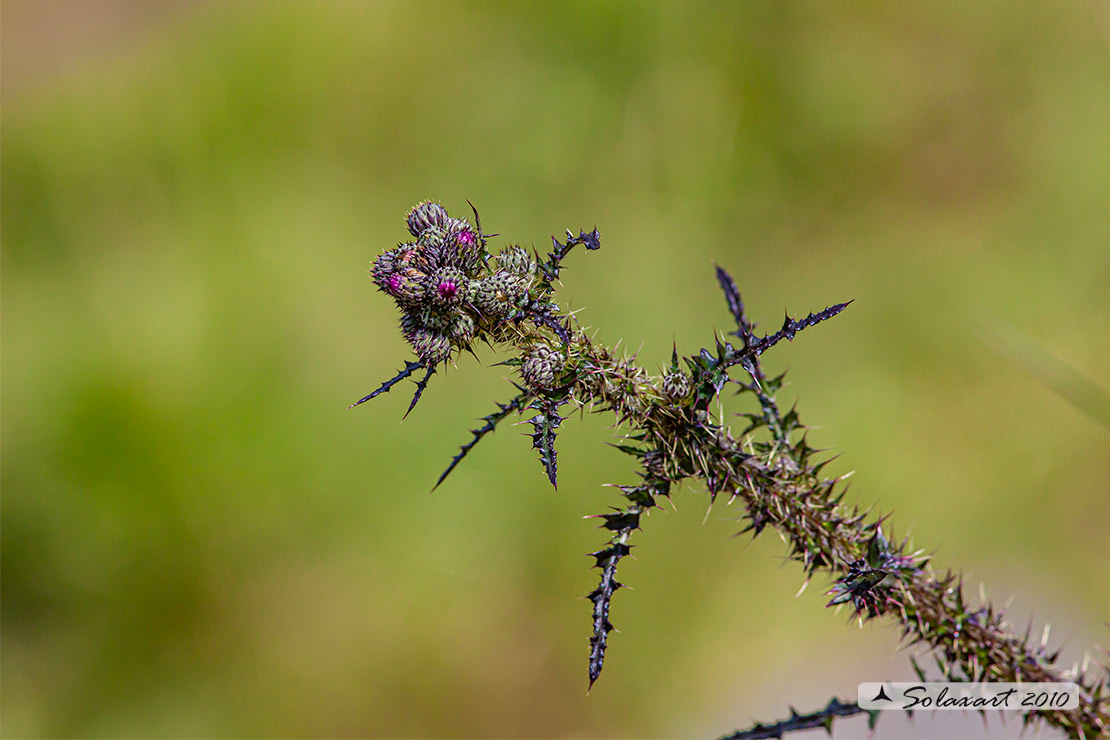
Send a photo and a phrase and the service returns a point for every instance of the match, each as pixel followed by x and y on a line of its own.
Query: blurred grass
pixel 197 541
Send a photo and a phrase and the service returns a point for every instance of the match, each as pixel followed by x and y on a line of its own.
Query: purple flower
pixel 447 289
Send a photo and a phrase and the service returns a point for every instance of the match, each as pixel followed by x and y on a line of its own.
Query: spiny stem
pixel 451 295
pixel 821 718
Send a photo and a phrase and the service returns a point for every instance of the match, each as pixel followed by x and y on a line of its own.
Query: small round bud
pixel 516 259
pixel 431 346
pixel 425 215
pixel 462 242
pixel 498 293
pixel 463 328
pixel 465 237
pixel 383 267
pixel 406 285
pixel 459 229
pixel 395 272
pixel 541 367
pixel 676 385
pixel 446 286
pixel 388 263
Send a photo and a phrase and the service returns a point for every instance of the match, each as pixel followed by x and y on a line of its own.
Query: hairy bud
pixel 431 346
pixel 410 324
pixel 446 286
pixel 676 385
pixel 541 366
pixel 463 328
pixel 516 259
pixel 498 293
pixel 425 215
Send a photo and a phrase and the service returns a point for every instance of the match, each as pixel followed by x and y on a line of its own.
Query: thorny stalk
pixel 453 293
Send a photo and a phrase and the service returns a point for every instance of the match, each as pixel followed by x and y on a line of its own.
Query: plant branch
pixel 821 718
pixel 674 436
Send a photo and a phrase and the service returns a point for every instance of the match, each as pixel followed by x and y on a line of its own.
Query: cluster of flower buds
pixel 444 285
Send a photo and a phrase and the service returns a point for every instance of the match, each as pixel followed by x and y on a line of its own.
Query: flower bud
pixel 498 293
pixel 676 385
pixel 386 265
pixel 407 286
pixel 463 328
pixel 541 366
pixel 462 242
pixel 410 324
pixel 446 286
pixel 516 259
pixel 425 215
pixel 432 240
pixel 395 273
pixel 431 346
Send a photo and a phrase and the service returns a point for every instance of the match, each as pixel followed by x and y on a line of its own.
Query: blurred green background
pixel 199 541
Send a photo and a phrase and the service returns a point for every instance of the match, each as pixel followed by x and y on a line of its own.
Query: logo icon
pixel 881 696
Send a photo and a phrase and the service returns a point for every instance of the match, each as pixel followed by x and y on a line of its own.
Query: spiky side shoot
pixel 544 423
pixel 622 523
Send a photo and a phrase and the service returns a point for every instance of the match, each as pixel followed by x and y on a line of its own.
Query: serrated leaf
pixel 544 424
pixel 602 597
pixel 620 519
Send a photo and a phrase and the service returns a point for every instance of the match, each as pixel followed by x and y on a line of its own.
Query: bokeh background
pixel 199 541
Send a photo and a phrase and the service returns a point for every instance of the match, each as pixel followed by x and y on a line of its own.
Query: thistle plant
pixel 452 293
